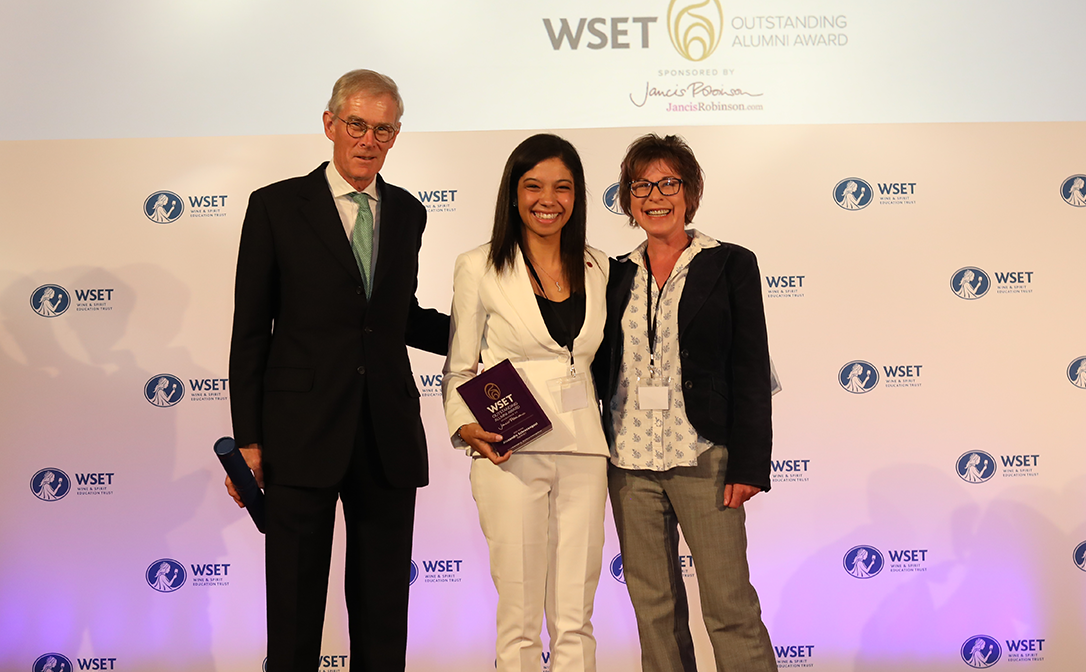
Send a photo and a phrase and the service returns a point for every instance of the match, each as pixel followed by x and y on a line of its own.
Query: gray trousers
pixel 649 507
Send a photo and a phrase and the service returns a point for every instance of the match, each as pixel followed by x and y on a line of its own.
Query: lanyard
pixel 652 315
pixel 565 326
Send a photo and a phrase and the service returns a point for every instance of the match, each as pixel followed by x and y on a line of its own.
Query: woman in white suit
pixel 535 295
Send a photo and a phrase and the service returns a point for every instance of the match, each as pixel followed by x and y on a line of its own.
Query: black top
pixel 564 319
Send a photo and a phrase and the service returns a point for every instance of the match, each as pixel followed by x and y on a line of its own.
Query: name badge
pixel 653 393
pixel 570 393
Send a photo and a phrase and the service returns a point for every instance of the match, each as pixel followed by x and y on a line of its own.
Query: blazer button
pixel 361 370
pixel 684 352
pixel 689 384
pixel 358 290
pixel 367 330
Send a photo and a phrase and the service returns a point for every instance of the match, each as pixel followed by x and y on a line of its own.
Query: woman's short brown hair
pixel 673 151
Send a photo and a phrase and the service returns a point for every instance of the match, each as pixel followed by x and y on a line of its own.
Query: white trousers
pixel 542 515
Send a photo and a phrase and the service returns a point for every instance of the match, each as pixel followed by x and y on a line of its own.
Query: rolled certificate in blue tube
pixel 234 464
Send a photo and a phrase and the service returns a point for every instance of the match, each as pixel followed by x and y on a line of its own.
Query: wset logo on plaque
pixel 610 199
pixel 695 28
pixel 50 300
pixel 970 283
pixel 852 193
pixel 50 484
pixel 858 377
pixel 164 390
pixel 981 651
pixel 616 569
pixel 1076 373
pixel 163 207
pixel 52 662
pixel 863 562
pixel 414 574
pixel 165 575
pixel 975 466
pixel 1071 191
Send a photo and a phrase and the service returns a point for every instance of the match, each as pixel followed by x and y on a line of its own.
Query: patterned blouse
pixel 655 440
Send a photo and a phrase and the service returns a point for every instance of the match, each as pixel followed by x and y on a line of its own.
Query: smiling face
pixel 359 160
pixel 545 198
pixel 660 216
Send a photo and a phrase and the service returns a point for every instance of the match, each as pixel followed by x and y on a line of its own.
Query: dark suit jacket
pixel 307 344
pixel 724 353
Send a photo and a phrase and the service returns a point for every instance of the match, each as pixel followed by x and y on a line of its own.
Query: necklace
pixel 551 277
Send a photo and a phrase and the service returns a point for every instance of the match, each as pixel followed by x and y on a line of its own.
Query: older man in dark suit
pixel 323 400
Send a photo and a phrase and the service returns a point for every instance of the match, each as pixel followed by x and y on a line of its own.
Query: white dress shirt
pixel 342 193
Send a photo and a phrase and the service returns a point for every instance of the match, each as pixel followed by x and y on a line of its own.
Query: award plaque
pixel 502 403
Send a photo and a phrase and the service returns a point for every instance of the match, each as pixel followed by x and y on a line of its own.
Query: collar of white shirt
pixel 340 187
pixel 698 242
pixel 342 192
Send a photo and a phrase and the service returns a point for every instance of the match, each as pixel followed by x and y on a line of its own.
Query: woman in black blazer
pixel 684 377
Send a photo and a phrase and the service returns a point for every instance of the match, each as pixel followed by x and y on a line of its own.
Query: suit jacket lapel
pixel 392 236
pixel 594 286
pixel 701 279
pixel 516 287
pixel 319 211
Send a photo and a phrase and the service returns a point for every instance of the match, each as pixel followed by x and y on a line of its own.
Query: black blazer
pixel 307 347
pixel 724 353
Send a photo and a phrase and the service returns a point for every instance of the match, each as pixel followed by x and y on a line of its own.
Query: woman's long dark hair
pixel 507 238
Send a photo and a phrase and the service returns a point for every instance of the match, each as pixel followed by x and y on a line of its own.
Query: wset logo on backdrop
pixel 858 377
pixel 695 28
pixel 1079 556
pixel 165 575
pixel 164 390
pixel 414 574
pixel 789 471
pixel 970 283
pixel 332 663
pixel 981 651
pixel 442 570
pixel 438 200
pixel 163 207
pixel 52 662
pixel 431 384
pixel 975 466
pixel 1076 372
pixel 1071 191
pixel 616 569
pixel 852 193
pixel 50 300
pixel 863 562
pixel 50 484
pixel 610 199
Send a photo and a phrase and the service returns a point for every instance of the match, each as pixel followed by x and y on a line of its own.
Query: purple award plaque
pixel 502 403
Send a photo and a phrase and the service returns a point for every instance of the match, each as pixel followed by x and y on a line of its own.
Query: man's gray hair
pixel 364 81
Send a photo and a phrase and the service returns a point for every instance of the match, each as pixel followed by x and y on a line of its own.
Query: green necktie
pixel 362 239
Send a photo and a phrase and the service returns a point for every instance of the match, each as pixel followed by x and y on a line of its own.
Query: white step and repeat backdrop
pixel 910 175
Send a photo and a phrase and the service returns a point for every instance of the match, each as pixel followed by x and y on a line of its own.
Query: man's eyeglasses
pixel 669 186
pixel 357 129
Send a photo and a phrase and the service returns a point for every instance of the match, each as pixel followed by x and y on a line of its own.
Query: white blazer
pixel 498 318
